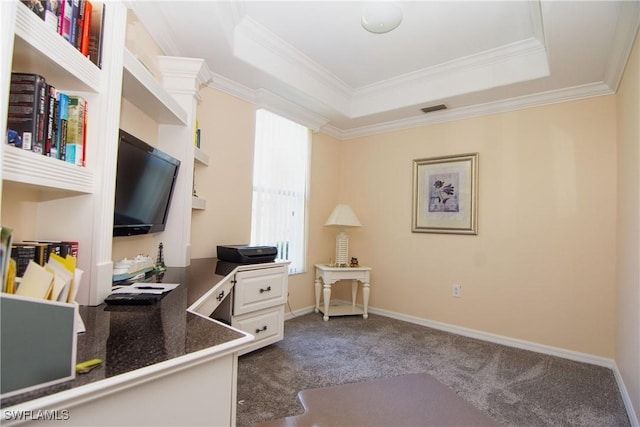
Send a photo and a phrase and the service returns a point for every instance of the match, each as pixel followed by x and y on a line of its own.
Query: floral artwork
pixel 445 194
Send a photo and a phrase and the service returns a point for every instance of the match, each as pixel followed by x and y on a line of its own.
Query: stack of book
pixel 80 22
pixel 45 120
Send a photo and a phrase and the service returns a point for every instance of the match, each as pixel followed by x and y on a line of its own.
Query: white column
pixel 105 117
pixel 182 77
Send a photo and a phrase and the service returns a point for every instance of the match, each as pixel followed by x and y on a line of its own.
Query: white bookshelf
pixel 84 196
pixel 141 88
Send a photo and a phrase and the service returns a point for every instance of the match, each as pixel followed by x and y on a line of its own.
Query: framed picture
pixel 445 194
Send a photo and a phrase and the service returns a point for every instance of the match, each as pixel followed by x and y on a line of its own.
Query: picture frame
pixel 445 194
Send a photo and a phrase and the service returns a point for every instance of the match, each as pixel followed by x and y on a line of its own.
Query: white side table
pixel 327 276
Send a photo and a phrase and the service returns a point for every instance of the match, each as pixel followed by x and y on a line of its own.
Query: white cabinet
pixel 258 304
pixel 48 199
pixel 252 298
pixel 65 202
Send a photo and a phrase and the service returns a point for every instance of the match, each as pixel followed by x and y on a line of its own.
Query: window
pixel 280 187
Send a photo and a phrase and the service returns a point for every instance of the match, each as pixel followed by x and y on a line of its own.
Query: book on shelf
pixel 37 251
pixel 196 141
pixel 52 125
pixel 41 131
pixel 75 130
pixel 23 254
pixel 36 6
pixel 95 33
pixel 6 238
pixel 52 14
pixel 86 27
pixel 63 118
pixel 47 10
pixel 84 133
pixel 59 247
pixel 66 16
pixel 27 108
pixel 72 20
pixel 75 17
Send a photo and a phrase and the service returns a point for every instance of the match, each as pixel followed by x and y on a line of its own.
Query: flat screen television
pixel 145 180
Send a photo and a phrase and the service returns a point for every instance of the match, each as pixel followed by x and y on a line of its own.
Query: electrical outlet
pixel 456 291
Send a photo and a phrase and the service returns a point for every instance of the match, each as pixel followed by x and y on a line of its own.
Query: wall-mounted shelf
pixel 141 88
pixel 198 204
pixel 38 48
pixel 201 157
pixel 45 173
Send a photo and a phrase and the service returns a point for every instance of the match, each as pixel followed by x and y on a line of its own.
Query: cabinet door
pixel 259 289
pixel 209 302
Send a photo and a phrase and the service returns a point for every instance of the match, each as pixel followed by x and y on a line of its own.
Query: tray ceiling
pixel 313 61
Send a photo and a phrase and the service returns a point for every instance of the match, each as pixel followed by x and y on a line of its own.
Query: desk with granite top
pixel 183 363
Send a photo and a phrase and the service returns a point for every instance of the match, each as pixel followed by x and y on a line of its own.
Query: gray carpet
pixel 514 387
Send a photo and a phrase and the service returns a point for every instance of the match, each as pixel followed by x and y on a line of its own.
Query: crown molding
pixel 285 108
pixel 298 113
pixel 232 88
pixel 517 103
pixel 259 47
pixel 263 98
pixel 516 62
pixel 626 31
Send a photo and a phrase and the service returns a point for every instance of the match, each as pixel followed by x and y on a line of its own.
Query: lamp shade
pixel 343 216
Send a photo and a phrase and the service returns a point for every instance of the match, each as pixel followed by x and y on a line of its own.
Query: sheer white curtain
pixel 280 187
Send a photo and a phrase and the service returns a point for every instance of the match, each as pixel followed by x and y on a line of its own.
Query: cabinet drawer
pixel 266 325
pixel 259 289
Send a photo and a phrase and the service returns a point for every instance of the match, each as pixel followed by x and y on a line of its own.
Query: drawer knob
pixel 220 296
pixel 258 330
pixel 268 289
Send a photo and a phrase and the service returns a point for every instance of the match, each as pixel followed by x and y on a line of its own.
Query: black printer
pixel 244 254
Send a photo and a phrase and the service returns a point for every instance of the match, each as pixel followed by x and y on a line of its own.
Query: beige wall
pixel 227 131
pixel 628 250
pixel 542 267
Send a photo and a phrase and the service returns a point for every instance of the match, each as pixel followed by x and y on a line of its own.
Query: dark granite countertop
pixel 127 338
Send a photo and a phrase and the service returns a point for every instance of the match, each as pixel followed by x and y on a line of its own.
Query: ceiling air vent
pixel 434 108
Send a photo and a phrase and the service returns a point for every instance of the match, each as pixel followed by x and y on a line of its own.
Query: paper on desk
pixel 145 288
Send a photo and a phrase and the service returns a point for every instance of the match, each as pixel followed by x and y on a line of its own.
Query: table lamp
pixel 342 216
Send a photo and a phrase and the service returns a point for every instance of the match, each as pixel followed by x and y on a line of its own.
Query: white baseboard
pixel 300 312
pixel 631 413
pixel 510 342
pixel 500 339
